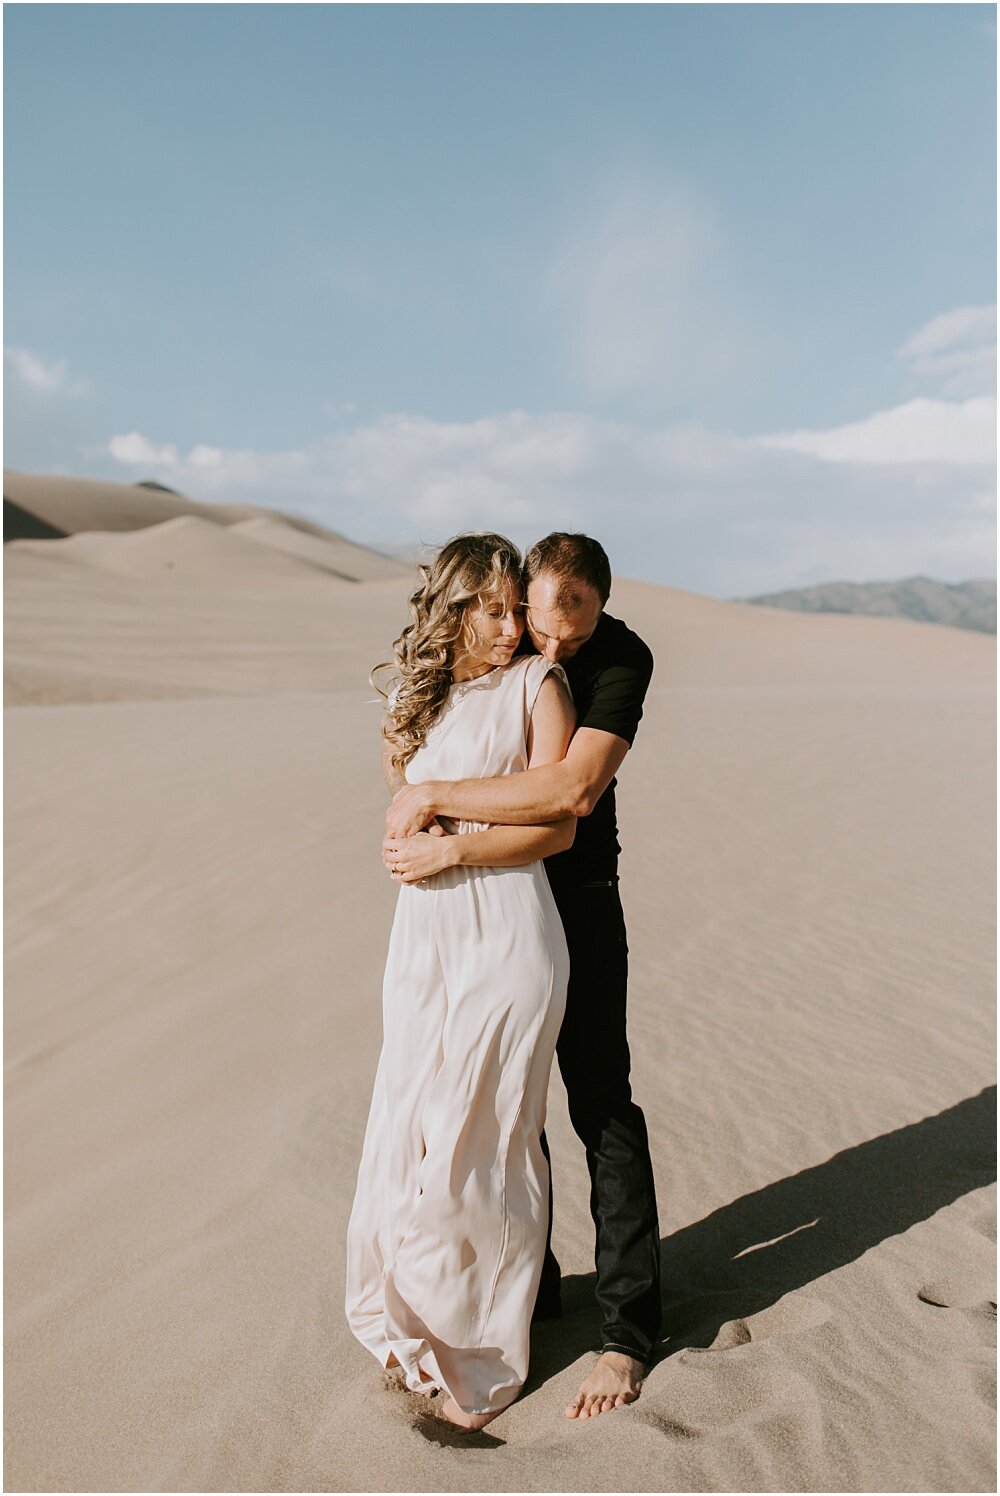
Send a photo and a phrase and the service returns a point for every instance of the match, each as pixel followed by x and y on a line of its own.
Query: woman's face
pixel 492 630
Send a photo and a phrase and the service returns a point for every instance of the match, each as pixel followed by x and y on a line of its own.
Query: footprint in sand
pixel 985 1222
pixel 705 1390
pixel 791 1315
pixel 969 1296
pixel 708 1393
pixel 983 1380
pixel 959 1293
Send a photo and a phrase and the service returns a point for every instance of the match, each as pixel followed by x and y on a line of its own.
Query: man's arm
pixel 548 793
pixel 513 844
pixel 395 781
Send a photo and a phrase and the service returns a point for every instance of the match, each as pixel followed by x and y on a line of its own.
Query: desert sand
pixel 197 916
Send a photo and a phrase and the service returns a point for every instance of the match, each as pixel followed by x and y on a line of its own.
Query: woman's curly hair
pixel 467 569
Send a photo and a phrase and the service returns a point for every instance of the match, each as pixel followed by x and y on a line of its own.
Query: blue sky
pixel 714 282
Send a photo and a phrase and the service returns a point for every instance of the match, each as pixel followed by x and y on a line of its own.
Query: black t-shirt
pixel 608 676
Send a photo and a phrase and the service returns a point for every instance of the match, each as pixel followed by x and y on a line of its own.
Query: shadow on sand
pixel 745 1256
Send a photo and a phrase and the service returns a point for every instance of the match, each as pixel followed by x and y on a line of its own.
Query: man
pixel 568 580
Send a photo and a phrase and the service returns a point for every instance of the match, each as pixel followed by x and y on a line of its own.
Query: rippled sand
pixel 196 922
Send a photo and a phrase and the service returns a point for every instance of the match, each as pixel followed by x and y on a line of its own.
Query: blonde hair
pixel 470 568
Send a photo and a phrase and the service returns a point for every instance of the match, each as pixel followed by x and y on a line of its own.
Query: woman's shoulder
pixel 520 669
pixel 536 670
pixel 527 667
pixel 538 667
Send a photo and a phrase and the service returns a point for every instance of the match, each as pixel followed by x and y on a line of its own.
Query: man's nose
pixel 552 650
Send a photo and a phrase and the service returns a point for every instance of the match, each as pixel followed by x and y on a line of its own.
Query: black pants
pixel 594 1061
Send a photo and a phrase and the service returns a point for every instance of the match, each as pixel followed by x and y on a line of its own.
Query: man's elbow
pixel 573 796
pixel 584 799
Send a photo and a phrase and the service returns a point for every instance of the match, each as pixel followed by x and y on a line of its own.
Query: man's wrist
pixel 425 799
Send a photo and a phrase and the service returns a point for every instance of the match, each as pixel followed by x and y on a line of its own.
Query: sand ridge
pixel 195 549
pixel 70 505
pixel 354 563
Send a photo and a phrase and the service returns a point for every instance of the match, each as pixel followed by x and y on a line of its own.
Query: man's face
pixel 555 632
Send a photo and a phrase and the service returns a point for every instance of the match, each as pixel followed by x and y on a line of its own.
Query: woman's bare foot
pixel 614 1381
pixel 428 1384
pixel 469 1421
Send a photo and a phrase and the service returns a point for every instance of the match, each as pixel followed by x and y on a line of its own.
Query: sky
pixel 714 283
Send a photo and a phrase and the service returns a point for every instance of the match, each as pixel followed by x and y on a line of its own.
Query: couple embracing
pixel 516 699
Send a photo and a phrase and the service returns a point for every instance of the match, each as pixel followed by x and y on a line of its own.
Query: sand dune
pixel 194 550
pixel 197 917
pixel 82 632
pixel 353 563
pixel 18 524
pixel 70 505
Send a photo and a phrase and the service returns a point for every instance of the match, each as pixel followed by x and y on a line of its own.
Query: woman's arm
pixel 549 732
pixel 513 846
pixel 413 858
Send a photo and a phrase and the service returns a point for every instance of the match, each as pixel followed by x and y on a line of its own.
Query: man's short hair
pixel 572 559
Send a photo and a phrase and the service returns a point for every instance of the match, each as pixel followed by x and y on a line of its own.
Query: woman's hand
pixel 410 859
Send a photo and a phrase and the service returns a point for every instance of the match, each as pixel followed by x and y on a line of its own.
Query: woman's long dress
pixel 447 1233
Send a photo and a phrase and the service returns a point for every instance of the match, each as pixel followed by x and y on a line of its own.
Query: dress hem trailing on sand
pixel 447 1233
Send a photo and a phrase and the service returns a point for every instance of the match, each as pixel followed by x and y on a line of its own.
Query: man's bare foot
pixel 469 1421
pixel 614 1381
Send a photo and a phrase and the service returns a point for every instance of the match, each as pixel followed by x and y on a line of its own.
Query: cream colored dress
pixel 447 1233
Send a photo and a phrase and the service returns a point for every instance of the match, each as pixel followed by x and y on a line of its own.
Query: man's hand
pixel 411 811
pixel 411 859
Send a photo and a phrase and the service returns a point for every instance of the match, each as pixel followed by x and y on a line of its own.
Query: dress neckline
pixel 477 680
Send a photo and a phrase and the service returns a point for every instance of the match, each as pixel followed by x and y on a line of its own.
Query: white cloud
pixel 219 473
pixel 698 508
pixel 442 469
pixel 921 431
pixel 964 327
pixel 202 456
pixel 135 449
pixel 956 351
pixel 36 374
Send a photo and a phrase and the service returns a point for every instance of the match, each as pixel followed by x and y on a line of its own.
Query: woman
pixel 447 1234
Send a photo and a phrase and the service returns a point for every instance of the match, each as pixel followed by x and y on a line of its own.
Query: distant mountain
pixel 964 605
